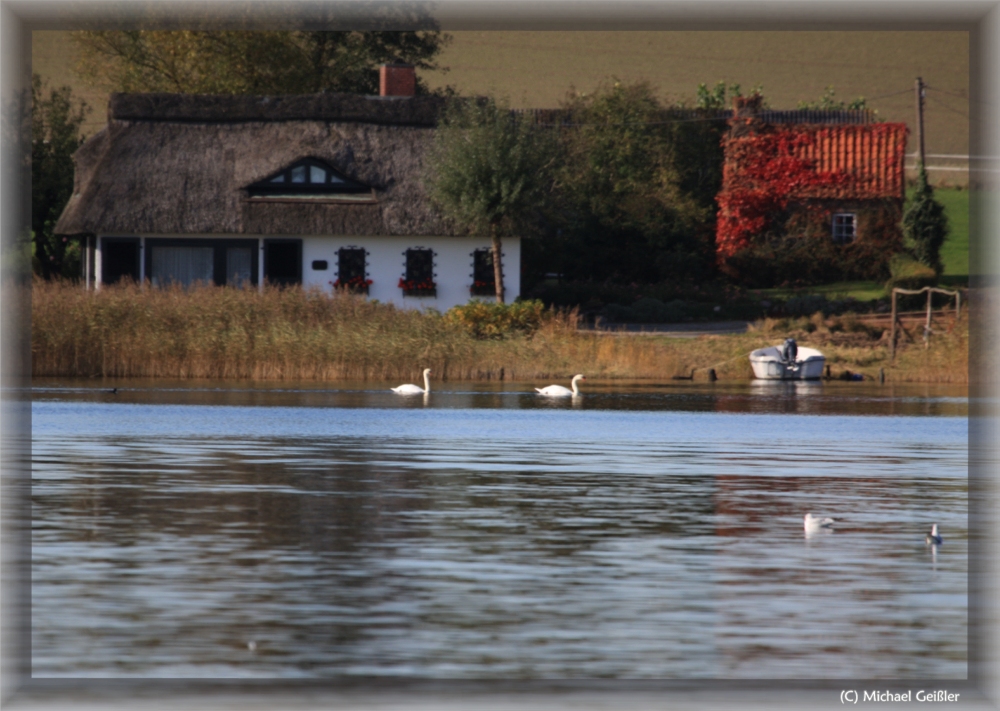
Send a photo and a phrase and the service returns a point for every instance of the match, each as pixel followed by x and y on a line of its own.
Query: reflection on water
pixel 487 533
pixel 785 397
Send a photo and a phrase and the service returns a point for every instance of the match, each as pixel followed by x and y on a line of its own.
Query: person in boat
pixel 790 351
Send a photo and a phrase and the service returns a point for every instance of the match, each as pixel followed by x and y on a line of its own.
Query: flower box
pixel 357 285
pixel 413 288
pixel 423 291
pixel 479 289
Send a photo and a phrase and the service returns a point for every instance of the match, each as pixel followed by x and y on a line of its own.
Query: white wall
pixel 387 263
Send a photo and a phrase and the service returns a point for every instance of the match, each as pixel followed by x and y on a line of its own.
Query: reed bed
pixel 852 344
pixel 126 331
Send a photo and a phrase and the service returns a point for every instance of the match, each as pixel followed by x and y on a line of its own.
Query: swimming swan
pixel 933 538
pixel 560 391
pixel 814 524
pixel 415 389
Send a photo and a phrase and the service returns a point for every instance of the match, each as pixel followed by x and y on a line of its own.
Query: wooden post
pixel 927 326
pixel 958 305
pixel 919 87
pixel 892 330
pixel 86 263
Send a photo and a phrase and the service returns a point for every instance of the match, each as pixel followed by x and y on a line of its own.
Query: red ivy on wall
pixel 764 171
pixel 761 174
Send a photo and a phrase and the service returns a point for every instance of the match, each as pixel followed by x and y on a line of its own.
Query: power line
pixel 886 96
pixel 938 101
pixel 949 93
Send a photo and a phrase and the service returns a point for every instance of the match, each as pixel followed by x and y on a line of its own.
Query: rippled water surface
pixel 482 532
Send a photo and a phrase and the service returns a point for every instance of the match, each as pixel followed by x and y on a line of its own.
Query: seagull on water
pixel 815 524
pixel 933 538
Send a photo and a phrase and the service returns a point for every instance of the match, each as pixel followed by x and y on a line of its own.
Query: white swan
pixel 560 391
pixel 415 389
pixel 815 524
pixel 933 538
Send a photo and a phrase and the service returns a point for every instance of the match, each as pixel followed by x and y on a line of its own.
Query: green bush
pixel 491 320
pixel 805 260
pixel 925 225
pixel 909 273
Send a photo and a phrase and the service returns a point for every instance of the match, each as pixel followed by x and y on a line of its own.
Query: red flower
pixel 414 285
pixel 352 283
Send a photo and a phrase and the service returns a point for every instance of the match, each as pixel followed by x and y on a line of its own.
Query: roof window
pixel 310 179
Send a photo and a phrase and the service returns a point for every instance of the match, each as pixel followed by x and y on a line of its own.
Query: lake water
pixel 482 532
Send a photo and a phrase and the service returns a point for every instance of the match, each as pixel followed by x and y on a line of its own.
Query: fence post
pixel 927 326
pixel 892 331
pixel 958 305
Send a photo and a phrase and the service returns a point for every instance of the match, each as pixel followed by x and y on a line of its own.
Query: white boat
pixel 768 364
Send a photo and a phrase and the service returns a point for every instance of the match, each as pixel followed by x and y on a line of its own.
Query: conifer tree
pixel 925 225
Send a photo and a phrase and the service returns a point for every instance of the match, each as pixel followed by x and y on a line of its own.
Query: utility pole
pixel 919 88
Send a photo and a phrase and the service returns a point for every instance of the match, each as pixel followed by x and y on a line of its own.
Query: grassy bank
pixel 294 334
pixel 850 344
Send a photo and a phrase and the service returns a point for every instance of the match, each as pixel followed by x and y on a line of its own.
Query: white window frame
pixel 845 227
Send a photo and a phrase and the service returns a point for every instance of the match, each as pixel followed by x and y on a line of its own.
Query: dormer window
pixel 310 179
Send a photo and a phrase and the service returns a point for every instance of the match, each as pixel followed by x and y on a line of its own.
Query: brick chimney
pixel 397 79
pixel 746 119
pixel 747 106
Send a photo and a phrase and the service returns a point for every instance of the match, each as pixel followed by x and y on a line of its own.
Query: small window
pixel 350 264
pixel 419 279
pixel 483 276
pixel 844 227
pixel 320 265
pixel 351 274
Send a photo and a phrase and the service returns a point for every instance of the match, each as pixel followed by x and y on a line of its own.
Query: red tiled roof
pixel 869 157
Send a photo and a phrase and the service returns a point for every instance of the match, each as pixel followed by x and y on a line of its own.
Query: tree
pixel 56 118
pixel 715 98
pixel 250 62
pixel 828 102
pixel 489 171
pixel 925 225
pixel 627 218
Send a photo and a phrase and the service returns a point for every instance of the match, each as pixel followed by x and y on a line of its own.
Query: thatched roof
pixel 383 110
pixel 179 164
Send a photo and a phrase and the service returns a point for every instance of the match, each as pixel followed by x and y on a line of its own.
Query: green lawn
pixel 955 252
pixel 860 290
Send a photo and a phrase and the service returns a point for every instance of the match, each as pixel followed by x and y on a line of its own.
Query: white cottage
pixel 323 190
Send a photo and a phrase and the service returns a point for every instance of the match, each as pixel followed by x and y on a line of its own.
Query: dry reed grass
pixel 851 344
pixel 126 331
